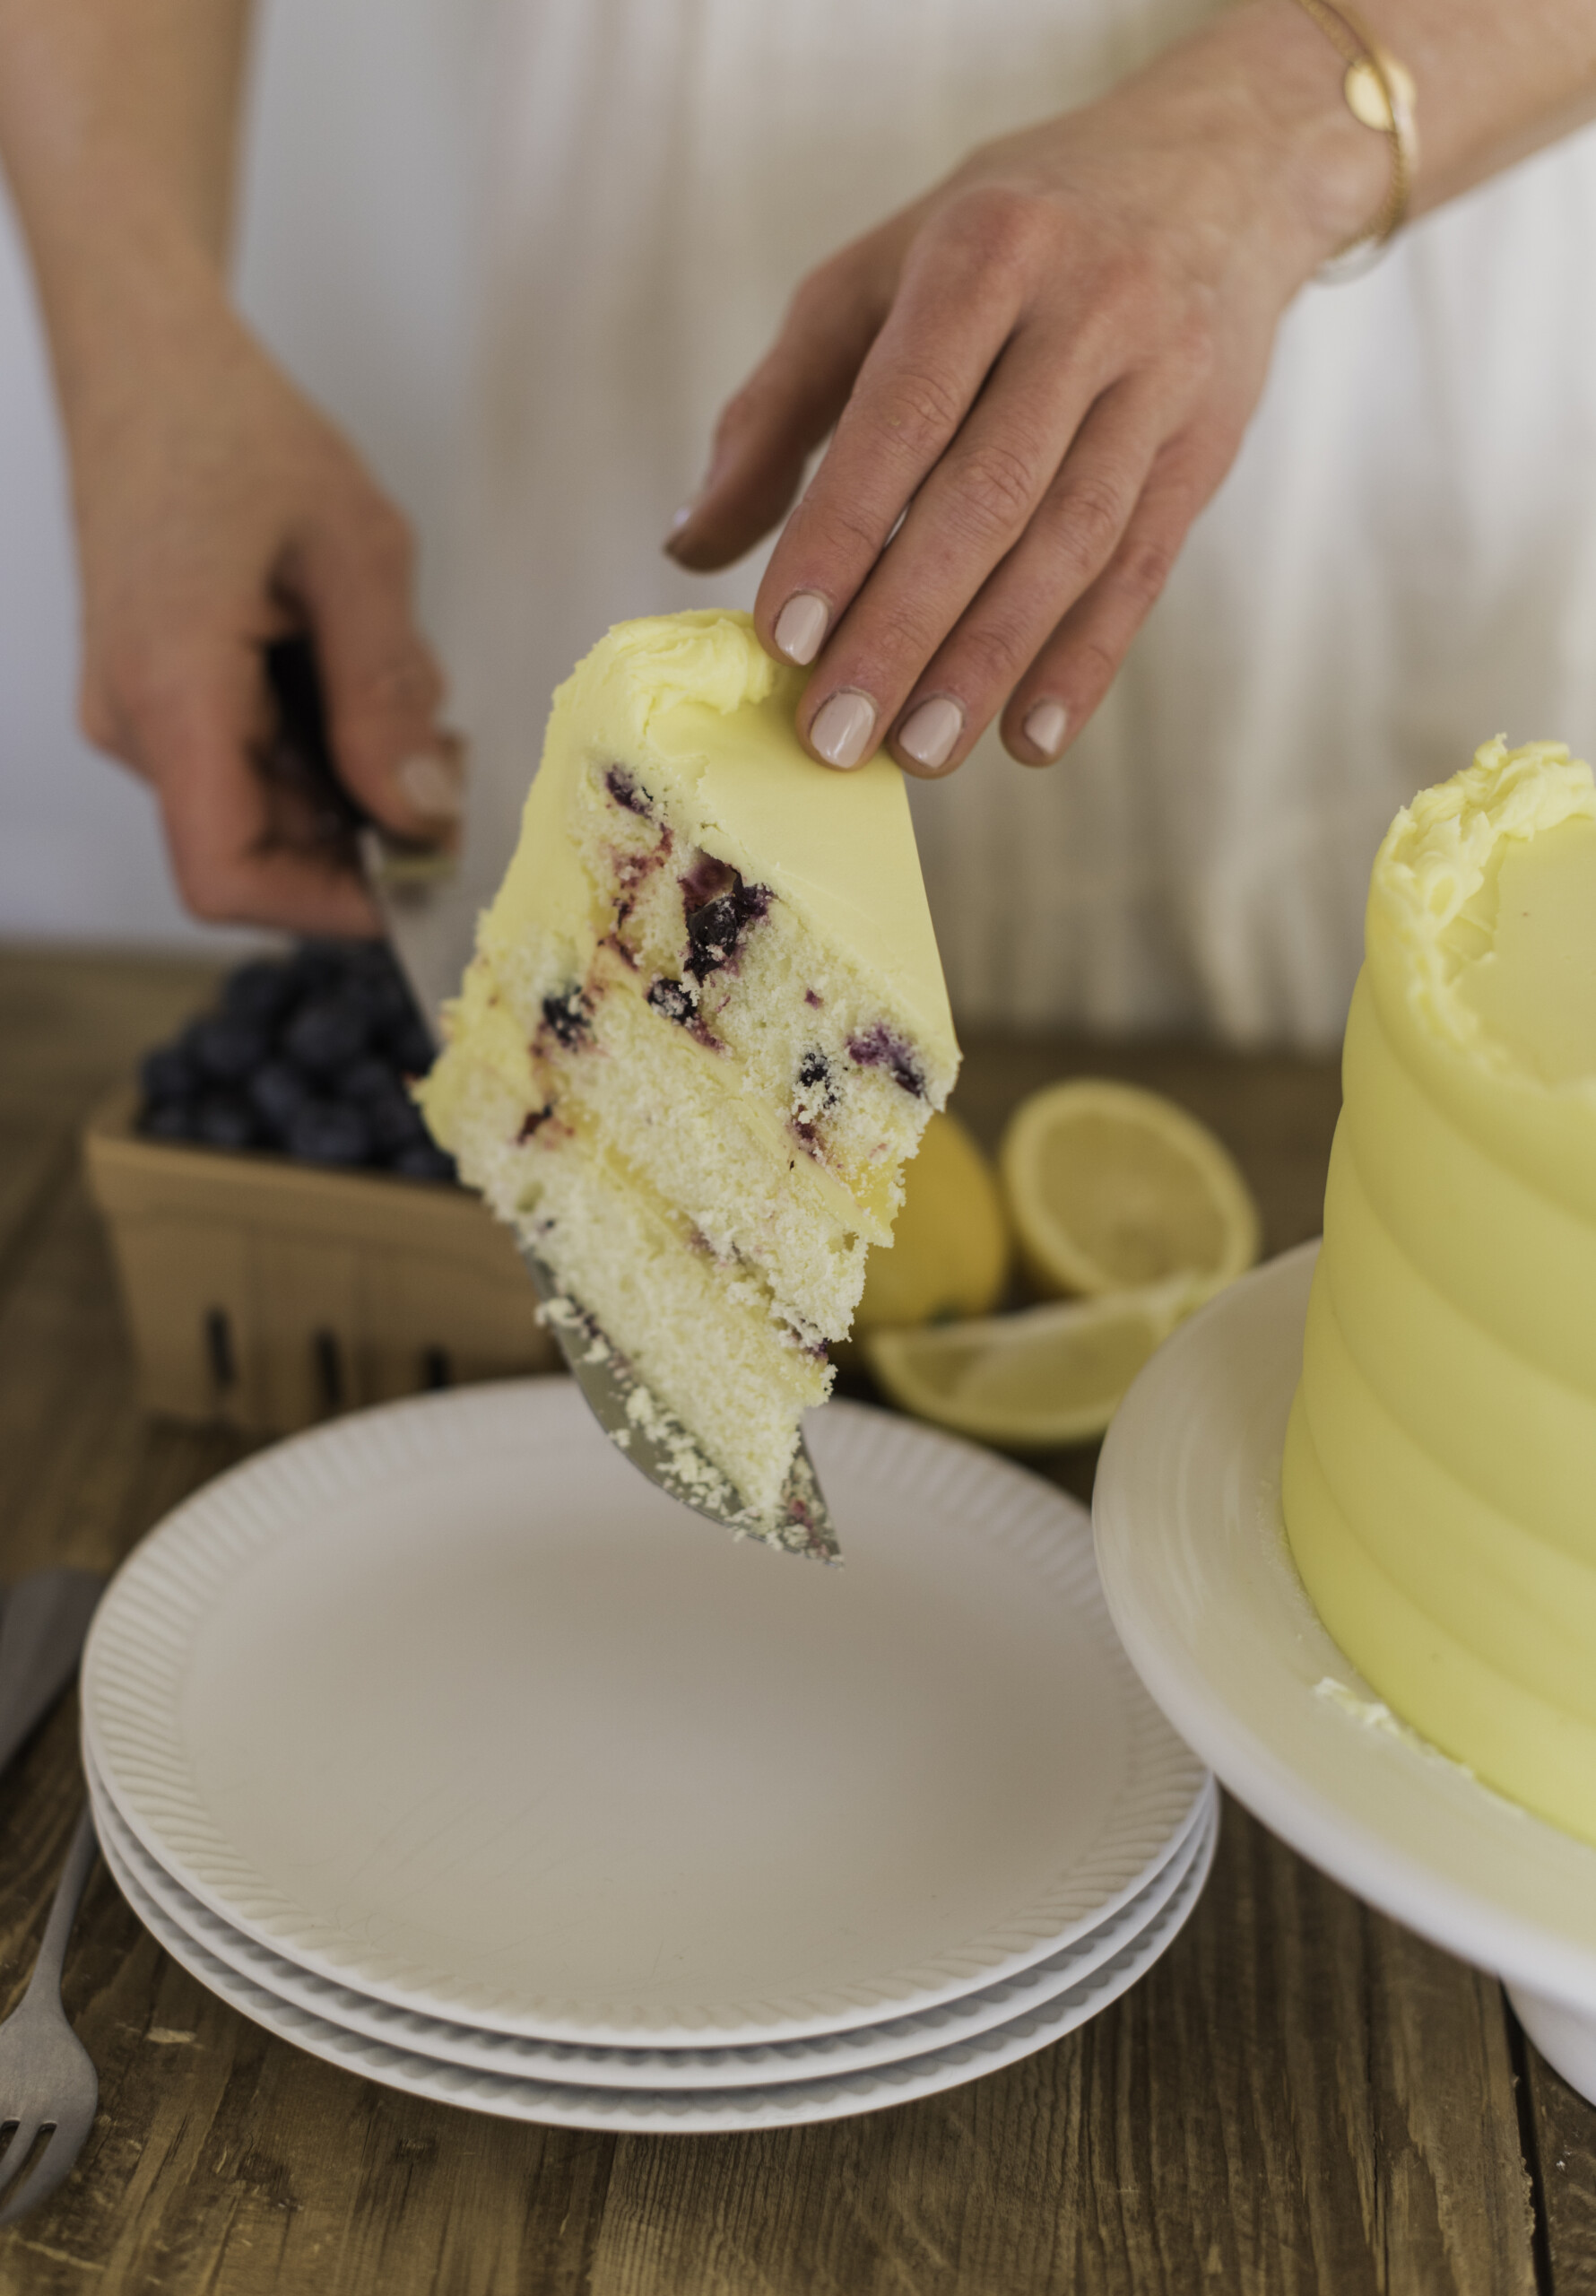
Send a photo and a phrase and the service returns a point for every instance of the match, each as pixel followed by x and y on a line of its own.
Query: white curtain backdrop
pixel 523 248
pixel 358 261
pixel 1402 563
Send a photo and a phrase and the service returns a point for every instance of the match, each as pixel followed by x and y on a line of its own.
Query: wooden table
pixel 1300 2095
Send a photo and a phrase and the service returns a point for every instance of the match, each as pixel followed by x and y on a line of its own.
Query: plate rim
pixel 1331 1829
pixel 678 2112
pixel 210 1531
pixel 853 2047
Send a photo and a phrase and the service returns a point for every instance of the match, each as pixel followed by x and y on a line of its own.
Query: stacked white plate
pixel 441 1744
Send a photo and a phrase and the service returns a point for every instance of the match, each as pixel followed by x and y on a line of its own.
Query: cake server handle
pixel 428 919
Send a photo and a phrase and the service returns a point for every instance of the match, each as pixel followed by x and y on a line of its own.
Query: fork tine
pixel 52 2167
pixel 48 2072
pixel 25 2134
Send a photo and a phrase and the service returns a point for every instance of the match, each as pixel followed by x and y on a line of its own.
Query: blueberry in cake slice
pixel 705 1026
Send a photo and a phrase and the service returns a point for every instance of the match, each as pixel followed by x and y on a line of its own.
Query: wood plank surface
pixel 1561 2139
pixel 1299 2096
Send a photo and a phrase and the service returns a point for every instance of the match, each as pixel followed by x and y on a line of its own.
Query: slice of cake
pixel 705 1025
pixel 1440 1471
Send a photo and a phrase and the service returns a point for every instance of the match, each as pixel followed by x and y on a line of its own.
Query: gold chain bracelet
pixel 1380 94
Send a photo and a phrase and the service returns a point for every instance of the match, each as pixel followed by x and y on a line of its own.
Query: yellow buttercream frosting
pixel 695 697
pixel 1440 1457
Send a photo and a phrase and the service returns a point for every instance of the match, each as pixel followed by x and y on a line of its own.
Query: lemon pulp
pixel 1112 1188
pixel 1033 1381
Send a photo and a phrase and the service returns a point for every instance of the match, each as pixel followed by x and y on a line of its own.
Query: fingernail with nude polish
pixel 800 627
pixel 1045 725
pixel 843 728
pixel 425 782
pixel 928 735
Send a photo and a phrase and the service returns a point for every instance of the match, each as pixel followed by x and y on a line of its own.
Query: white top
pixel 1402 563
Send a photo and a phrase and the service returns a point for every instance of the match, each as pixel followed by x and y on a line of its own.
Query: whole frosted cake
pixel 1440 1472
pixel 705 1025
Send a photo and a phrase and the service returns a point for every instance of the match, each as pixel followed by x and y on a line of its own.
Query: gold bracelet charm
pixel 1380 94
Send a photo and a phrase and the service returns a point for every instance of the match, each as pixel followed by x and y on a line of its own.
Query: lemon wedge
pixel 1032 1381
pixel 950 1250
pixel 1112 1188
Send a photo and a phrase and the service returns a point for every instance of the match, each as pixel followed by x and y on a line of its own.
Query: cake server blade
pixel 430 924
pixel 660 1447
pixel 432 928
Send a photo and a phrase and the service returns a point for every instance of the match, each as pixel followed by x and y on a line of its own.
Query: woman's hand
pixel 217 509
pixel 1037 375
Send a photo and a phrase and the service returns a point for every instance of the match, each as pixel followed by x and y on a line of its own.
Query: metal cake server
pixel 430 925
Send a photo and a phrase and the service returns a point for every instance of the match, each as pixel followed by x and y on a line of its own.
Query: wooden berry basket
pixel 271 1294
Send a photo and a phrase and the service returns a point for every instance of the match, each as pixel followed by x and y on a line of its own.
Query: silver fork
pixel 48 2083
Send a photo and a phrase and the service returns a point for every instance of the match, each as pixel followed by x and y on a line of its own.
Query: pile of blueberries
pixel 309 1055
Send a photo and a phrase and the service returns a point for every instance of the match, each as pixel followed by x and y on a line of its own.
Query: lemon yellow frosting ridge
pixel 1442 1454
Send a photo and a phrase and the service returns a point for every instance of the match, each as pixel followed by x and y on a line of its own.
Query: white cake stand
pixel 1207 1600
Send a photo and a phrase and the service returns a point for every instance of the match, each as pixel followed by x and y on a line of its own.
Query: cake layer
pixel 777 1027
pixel 726 1159
pixel 848 1131
pixel 701 1334
pixel 1525 1745
pixel 706 1337
pixel 730 1165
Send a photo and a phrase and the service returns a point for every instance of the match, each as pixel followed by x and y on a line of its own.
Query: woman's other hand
pixel 1037 376
pixel 217 509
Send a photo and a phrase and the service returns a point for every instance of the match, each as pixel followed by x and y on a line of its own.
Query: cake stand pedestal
pixel 1207 1600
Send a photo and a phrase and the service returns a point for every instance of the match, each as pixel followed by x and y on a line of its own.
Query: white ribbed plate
pixel 1203 1589
pixel 445 1702
pixel 895 2038
pixel 679 2111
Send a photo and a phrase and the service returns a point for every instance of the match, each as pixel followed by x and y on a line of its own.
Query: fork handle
pixel 69 1891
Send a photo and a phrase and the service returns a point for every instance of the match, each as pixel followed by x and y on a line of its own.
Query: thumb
pixel 382 684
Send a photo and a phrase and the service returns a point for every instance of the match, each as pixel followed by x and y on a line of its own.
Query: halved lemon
pixel 1111 1188
pixel 950 1251
pixel 1032 1381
